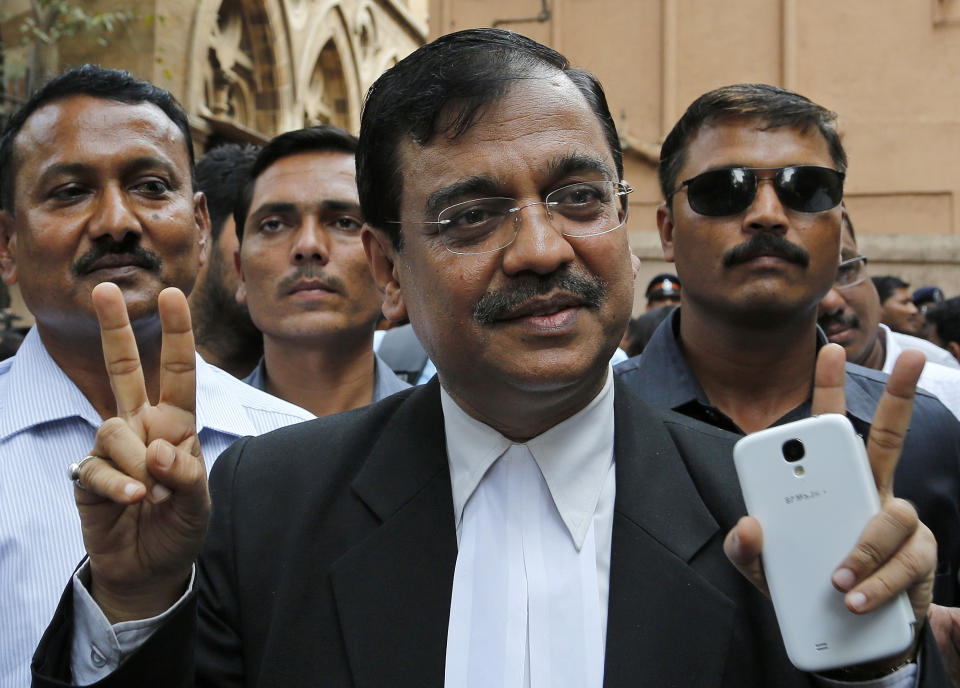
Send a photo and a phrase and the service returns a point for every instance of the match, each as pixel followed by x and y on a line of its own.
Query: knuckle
pixel 122 366
pixel 868 554
pixel 915 563
pixel 91 475
pixel 885 438
pixel 881 586
pixel 925 548
pixel 900 515
pixel 903 507
pixel 111 431
pixel 180 366
pixel 926 537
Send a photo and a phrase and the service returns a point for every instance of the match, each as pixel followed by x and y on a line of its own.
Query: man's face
pixel 518 318
pixel 303 270
pixel 900 314
pixel 103 194
pixel 768 262
pixel 849 316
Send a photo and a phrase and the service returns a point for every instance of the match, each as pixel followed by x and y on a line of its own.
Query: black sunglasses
pixel 730 191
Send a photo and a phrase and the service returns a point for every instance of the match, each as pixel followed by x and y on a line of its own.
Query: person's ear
pixel 382 257
pixel 241 295
pixel 201 216
pixel 8 249
pixel 665 227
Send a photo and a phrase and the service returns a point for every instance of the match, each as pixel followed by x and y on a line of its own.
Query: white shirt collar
pixel 574 457
pixel 891 349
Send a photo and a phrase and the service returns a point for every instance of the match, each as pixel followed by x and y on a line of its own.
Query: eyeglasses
pixel 851 272
pixel 730 191
pixel 484 225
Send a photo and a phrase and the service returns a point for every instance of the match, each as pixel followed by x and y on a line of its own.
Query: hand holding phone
pixel 894 552
pixel 809 485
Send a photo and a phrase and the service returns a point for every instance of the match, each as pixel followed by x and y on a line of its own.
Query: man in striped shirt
pixel 96 177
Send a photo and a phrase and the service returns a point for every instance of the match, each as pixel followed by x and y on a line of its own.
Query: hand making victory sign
pixel 896 551
pixel 143 497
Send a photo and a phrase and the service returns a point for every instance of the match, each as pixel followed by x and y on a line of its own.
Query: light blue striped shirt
pixel 45 424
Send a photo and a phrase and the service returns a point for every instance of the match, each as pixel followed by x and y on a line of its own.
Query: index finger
pixel 120 352
pixel 178 361
pixel 891 420
pixel 828 392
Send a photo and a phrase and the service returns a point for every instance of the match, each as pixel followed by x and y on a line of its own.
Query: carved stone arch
pixel 366 29
pixel 328 82
pixel 240 77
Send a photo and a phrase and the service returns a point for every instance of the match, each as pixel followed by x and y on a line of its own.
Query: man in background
pixel 897 309
pixel 945 326
pixel 849 315
pixel 755 237
pixel 663 290
pixel 926 298
pixel 226 336
pixel 97 177
pixel 304 274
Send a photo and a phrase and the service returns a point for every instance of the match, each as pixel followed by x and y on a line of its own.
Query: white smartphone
pixel 809 484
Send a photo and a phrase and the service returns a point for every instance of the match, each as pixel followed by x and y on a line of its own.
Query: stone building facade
pixel 248 69
pixel 243 69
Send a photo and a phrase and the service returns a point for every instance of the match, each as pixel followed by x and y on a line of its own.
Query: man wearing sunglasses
pixel 753 181
pixel 849 315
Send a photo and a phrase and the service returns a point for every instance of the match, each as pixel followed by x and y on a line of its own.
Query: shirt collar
pixel 574 456
pixel 258 376
pixel 668 382
pixel 385 381
pixel 666 377
pixel 38 391
pixel 891 349
pixel 222 401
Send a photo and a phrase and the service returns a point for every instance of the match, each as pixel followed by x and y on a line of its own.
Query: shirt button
pixel 97 659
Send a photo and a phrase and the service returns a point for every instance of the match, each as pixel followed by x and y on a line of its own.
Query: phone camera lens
pixel 793 450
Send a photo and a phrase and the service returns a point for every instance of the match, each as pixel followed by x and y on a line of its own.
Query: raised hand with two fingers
pixel 142 498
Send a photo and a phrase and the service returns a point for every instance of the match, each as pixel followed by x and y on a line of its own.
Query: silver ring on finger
pixel 73 470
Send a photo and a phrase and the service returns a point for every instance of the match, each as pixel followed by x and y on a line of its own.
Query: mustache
pixel 106 246
pixel 829 320
pixel 495 304
pixel 766 244
pixel 310 271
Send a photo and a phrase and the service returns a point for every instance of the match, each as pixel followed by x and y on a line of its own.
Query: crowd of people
pixel 218 469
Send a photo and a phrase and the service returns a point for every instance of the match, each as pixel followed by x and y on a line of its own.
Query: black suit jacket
pixel 332 547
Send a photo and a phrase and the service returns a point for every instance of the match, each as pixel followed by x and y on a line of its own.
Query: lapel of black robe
pixel 393 589
pixel 667 626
